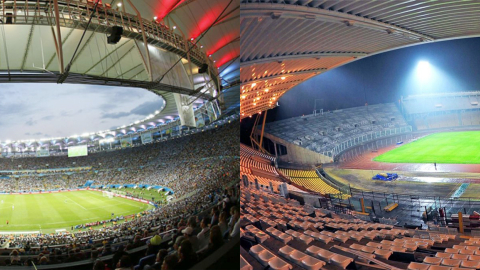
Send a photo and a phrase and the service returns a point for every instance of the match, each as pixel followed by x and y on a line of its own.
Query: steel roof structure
pixel 163 45
pixel 287 42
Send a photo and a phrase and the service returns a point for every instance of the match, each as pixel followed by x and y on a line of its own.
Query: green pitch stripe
pixel 446 147
pixel 61 210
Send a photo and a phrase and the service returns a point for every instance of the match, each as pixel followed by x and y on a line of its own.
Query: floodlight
pixel 424 69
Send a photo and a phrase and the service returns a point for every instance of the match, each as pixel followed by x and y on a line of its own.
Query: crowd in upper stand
pixel 178 164
pixel 199 168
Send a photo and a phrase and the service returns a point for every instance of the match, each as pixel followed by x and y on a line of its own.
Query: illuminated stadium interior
pixel 359 134
pixel 119 134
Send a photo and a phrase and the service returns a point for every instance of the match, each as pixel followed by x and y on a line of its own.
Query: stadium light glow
pixel 424 69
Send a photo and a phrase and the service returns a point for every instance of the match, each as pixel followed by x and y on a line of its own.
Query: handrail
pixel 364 256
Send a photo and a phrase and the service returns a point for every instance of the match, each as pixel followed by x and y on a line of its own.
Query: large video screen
pixel 77 151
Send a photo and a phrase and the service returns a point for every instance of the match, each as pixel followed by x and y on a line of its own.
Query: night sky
pixel 385 77
pixel 455 66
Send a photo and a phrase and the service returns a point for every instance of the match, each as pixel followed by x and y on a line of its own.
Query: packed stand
pixel 207 163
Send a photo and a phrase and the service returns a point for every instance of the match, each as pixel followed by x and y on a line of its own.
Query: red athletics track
pixel 366 162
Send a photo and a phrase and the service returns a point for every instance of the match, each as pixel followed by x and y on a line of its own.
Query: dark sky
pixel 454 66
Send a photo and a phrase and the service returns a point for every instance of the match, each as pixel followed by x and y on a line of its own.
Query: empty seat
pixel 386 242
pixel 312 250
pixel 311 263
pixel 470 264
pixel 285 251
pixel 341 260
pixel 325 239
pixel 325 254
pixel 285 238
pixel 306 239
pixel 276 232
pixel 467 251
pixel 297 256
pixel 265 256
pixel 256 250
pixel 383 253
pixel 432 260
pixel 356 246
pixel 368 249
pixel 452 250
pixel 294 233
pixel 471 248
pixel 341 238
pixel 398 244
pixel 458 256
pixel 374 245
pixel 439 267
pixel 244 265
pixel 451 262
pixel 418 266
pixel 473 257
pixel 444 255
pixel 410 246
pixel 279 264
pixel 422 244
pixel 398 249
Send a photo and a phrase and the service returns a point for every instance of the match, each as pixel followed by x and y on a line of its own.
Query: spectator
pixel 222 222
pixel 202 236
pixel 125 263
pixel 158 260
pixel 215 242
pixel 235 230
pixel 187 257
pixel 170 262
pixel 14 257
pixel 99 265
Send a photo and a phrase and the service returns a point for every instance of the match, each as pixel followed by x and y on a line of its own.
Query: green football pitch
pixel 51 211
pixel 446 147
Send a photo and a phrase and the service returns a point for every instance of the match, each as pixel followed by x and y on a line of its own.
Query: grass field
pixel 144 193
pixel 47 212
pixel 446 147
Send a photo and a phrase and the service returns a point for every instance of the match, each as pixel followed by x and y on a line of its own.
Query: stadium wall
pixel 298 154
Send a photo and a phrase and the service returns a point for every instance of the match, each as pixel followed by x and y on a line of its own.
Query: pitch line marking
pixel 73 202
pixel 126 201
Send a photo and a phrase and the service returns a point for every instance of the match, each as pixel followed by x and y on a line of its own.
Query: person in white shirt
pixel 204 233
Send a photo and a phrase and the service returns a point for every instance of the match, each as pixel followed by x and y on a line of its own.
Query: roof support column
pixel 58 36
pixel 145 43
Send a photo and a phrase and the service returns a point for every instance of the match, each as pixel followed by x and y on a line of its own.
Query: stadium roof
pixel 36 46
pixel 287 42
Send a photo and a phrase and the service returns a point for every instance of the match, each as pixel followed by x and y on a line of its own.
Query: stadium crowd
pixel 159 164
pixel 200 168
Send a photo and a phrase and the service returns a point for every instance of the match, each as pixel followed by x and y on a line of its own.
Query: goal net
pixel 107 194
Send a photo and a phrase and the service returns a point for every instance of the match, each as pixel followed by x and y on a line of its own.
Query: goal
pixel 107 194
